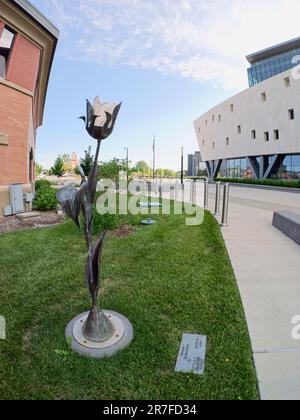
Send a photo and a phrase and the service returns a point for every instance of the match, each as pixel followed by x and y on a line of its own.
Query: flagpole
pixel 182 166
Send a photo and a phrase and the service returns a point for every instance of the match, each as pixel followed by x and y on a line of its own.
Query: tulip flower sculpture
pixel 100 121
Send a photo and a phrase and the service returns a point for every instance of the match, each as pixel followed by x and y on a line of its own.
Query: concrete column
pixel 263 166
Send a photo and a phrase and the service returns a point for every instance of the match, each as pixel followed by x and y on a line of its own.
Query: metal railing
pixel 177 192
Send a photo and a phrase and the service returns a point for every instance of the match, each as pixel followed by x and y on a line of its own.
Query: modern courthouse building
pixel 27 46
pixel 256 134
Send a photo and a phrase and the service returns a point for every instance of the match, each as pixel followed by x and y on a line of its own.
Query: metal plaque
pixel 191 358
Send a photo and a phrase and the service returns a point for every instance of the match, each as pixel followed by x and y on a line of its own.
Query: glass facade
pixel 290 168
pixel 236 168
pixel 269 67
pixel 240 168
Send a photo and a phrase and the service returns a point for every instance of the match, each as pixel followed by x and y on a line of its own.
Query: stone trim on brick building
pixel 23 89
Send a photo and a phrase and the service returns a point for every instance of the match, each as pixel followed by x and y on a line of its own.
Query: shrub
pixel 42 184
pixel 113 221
pixel 106 221
pixel 45 199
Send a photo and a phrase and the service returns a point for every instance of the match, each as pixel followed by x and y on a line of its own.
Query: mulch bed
pixel 122 231
pixel 13 224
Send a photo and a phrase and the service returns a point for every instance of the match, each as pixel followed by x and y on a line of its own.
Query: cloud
pixel 203 40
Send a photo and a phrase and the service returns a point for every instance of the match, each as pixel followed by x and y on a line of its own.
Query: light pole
pixel 127 164
pixel 182 166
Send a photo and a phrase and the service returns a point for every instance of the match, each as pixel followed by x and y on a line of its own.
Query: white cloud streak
pixel 203 40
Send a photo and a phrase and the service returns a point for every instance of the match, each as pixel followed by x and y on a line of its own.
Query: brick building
pixel 27 46
pixel 74 161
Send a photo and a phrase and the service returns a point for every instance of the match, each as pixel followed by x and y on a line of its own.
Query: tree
pixel 67 163
pixel 160 173
pixel 111 170
pixel 87 161
pixel 58 168
pixel 142 167
pixel 38 169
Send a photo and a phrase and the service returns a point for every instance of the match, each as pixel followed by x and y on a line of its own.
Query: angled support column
pixel 254 166
pixel 217 168
pixel 209 168
pixel 213 167
pixel 263 166
pixel 274 166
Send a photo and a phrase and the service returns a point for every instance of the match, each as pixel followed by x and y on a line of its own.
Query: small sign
pixel 150 204
pixel 2 328
pixel 191 358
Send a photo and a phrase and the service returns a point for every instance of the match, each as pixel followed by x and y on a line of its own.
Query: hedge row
pixel 293 183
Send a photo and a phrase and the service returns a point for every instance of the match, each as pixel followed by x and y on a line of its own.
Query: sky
pixel 168 61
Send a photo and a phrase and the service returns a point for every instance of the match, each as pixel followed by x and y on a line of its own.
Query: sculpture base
pixel 122 337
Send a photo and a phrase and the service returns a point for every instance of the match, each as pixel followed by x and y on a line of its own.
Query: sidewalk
pixel 267 269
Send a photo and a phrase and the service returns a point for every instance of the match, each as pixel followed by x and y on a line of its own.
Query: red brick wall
pixel 15 111
pixel 23 65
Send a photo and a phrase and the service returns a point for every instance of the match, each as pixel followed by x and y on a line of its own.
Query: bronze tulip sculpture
pixel 100 121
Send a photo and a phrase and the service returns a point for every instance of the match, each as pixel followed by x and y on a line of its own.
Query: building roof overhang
pixel 37 16
pixel 30 22
pixel 276 49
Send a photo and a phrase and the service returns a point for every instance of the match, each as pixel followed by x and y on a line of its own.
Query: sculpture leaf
pixel 71 201
pixel 93 266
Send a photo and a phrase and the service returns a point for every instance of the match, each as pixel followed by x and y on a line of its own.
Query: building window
pixel 214 145
pixel 267 137
pixel 231 108
pixel 199 129
pixel 276 134
pixel 291 114
pixel 203 143
pixel 213 118
pixel 205 122
pixel 219 118
pixel 264 97
pixel 287 82
pixel 253 134
pixel 6 42
pixel 227 141
pixel 3 139
pixel 239 129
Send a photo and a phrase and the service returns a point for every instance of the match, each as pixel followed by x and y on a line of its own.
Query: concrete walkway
pixel 267 269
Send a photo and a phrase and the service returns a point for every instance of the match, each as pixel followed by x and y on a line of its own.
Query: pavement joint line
pixel 279 350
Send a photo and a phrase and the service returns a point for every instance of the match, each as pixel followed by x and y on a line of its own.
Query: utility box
pixel 7 211
pixel 17 198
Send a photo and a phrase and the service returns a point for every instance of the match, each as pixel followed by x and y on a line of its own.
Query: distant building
pixel 255 134
pixel 74 161
pixel 194 164
pixel 27 46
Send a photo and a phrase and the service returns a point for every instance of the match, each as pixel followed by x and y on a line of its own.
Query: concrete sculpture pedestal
pixel 121 338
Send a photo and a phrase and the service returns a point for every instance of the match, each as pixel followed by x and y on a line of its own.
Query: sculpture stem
pixel 97 326
pixel 93 179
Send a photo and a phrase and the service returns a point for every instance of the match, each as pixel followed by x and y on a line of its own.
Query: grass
pixel 286 183
pixel 167 279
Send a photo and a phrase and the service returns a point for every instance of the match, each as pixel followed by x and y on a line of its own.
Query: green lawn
pixel 167 279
